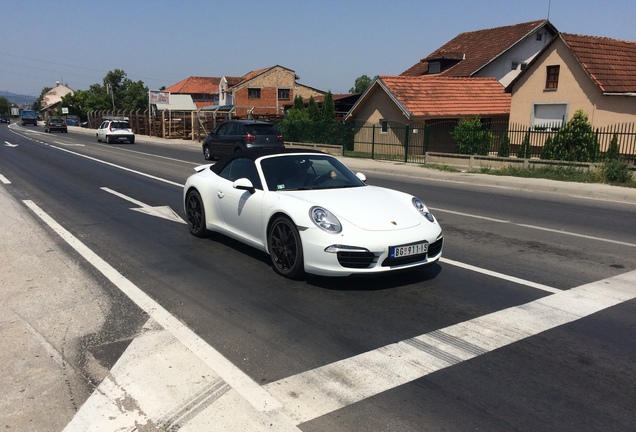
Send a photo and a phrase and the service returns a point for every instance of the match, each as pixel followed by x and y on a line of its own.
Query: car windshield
pixel 307 172
pixel 121 125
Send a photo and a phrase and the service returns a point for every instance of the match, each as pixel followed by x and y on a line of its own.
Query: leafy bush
pixel 524 149
pixel 504 147
pixel 471 138
pixel 615 168
pixel 575 141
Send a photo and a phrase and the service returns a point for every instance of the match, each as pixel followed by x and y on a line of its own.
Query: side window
pixel 103 125
pixel 222 129
pixel 242 168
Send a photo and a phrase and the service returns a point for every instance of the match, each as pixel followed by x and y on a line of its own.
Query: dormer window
pixel 539 37
pixel 434 67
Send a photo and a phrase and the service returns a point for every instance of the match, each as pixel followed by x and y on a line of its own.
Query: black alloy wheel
pixel 285 248
pixel 207 153
pixel 195 214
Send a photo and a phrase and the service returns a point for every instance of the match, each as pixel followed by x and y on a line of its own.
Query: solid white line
pixel 120 167
pixel 320 391
pixel 124 197
pixel 257 396
pixel 534 227
pixel 4 180
pixel 501 276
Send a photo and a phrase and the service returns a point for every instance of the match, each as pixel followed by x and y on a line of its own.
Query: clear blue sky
pixel 328 43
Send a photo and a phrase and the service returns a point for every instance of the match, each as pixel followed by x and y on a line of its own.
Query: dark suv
pixel 238 135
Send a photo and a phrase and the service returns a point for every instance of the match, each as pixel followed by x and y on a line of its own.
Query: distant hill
pixel 18 99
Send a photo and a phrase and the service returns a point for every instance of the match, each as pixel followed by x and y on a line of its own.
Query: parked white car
pixel 115 130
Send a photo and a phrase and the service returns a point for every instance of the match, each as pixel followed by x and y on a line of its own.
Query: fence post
pixel 406 143
pixel 372 141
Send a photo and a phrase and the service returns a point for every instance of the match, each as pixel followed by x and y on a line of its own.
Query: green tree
pixel 471 138
pixel 314 110
pixel 5 106
pixel 328 108
pixel 361 84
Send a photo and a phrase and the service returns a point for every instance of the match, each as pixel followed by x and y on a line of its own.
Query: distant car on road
pixel 5 119
pixel 238 135
pixel 55 124
pixel 118 130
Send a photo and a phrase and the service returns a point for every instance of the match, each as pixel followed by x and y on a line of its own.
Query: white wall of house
pixel 506 67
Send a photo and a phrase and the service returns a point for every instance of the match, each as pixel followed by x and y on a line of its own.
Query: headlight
pixel 421 207
pixel 325 220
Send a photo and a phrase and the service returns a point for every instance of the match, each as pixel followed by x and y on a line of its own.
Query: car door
pixel 241 210
pixel 220 144
pixel 101 131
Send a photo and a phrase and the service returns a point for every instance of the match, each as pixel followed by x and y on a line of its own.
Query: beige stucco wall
pixel 378 106
pixel 55 95
pixel 576 89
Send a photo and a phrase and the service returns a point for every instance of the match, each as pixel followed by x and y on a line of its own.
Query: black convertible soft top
pixel 254 154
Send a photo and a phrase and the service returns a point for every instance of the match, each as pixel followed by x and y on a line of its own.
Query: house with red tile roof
pixel 262 92
pixel 416 101
pixel 575 72
pixel 203 90
pixel 500 52
pixel 463 78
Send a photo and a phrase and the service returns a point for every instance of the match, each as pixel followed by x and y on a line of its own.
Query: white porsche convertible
pixel 311 214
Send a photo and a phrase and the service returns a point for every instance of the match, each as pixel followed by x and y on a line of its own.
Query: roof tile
pixel 434 95
pixel 611 63
pixel 475 49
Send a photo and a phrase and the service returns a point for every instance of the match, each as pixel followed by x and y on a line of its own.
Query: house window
pixel 539 36
pixel 384 126
pixel 549 117
pixel 253 93
pixel 514 65
pixel 552 79
pixel 283 94
pixel 434 67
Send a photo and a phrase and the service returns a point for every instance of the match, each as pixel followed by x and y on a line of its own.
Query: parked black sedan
pixel 238 135
pixel 55 124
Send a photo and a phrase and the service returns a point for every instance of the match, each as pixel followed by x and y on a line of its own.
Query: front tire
pixel 195 214
pixel 285 248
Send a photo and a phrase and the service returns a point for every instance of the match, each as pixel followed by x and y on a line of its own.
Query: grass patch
pixel 560 173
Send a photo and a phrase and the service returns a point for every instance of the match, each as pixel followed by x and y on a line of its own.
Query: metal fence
pixel 409 143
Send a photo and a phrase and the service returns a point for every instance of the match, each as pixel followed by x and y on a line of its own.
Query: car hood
pixel 370 208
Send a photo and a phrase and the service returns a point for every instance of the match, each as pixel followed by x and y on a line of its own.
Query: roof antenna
pixel 549 4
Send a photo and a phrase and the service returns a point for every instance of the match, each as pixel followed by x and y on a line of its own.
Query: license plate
pixel 408 250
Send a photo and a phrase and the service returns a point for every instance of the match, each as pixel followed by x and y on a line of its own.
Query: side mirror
pixel 244 184
pixel 361 177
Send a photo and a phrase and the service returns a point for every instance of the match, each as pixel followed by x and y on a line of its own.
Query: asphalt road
pixel 118 318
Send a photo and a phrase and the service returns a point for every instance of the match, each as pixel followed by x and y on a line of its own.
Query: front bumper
pixel 364 254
